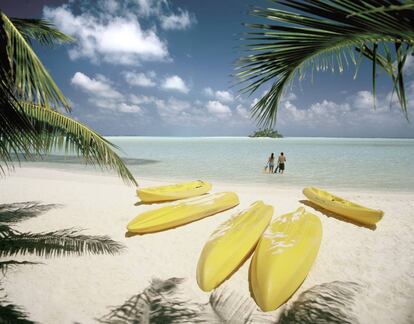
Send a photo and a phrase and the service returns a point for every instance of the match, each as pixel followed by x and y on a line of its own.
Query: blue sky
pixel 158 67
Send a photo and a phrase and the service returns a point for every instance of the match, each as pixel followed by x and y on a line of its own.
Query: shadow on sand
pixel 17 212
pixel 163 302
pixel 143 203
pixel 329 213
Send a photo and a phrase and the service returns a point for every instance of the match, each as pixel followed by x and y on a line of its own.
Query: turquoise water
pixel 379 164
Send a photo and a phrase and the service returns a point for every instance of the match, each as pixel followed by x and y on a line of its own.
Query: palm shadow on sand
pixel 58 243
pixel 329 213
pixel 163 302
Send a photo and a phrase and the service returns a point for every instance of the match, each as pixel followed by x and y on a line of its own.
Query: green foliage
pixel 30 101
pixel 266 133
pixel 324 35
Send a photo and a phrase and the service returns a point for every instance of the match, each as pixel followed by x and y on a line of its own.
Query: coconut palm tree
pixel 325 35
pixel 33 110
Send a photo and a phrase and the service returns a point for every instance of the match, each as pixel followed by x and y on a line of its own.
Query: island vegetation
pixel 266 133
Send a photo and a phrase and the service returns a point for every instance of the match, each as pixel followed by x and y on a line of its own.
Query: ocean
pixel 346 163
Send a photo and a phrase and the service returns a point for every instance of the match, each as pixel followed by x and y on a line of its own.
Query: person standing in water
pixel 281 163
pixel 271 162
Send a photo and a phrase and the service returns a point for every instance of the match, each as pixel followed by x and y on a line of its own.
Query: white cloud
pixel 355 116
pixel 219 110
pixel 175 83
pixel 224 96
pixel 363 99
pixel 220 95
pixel 409 65
pixel 116 40
pixel 129 108
pixel 102 95
pixel 180 21
pixel 98 87
pixel 288 96
pixel 208 92
pixel 140 79
pixel 141 99
pixel 242 112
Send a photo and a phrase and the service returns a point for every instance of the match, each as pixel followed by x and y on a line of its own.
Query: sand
pixel 82 289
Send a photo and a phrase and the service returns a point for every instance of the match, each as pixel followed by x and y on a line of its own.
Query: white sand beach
pixel 82 289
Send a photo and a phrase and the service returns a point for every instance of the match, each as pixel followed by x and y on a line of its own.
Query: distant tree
pixel 266 133
pixel 32 118
pixel 325 35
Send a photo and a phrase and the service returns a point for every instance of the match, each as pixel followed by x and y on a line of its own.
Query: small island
pixel 266 133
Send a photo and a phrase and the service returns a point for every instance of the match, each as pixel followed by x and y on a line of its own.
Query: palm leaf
pixel 41 30
pixel 17 212
pixel 14 125
pixel 17 135
pixel 59 131
pixel 32 81
pixel 36 127
pixel 319 35
pixel 54 244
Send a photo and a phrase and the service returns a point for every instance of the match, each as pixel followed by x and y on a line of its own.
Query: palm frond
pixel 17 212
pixel 31 79
pixel 14 125
pixel 30 129
pixel 409 4
pixel 54 244
pixel 59 131
pixel 320 36
pixel 328 303
pixel 158 303
pixel 41 30
pixel 16 133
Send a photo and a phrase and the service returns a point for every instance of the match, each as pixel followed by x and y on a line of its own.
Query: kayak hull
pixel 283 258
pixel 231 244
pixel 173 192
pixel 182 212
pixel 343 207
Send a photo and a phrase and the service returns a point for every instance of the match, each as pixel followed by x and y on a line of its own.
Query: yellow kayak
pixel 343 207
pixel 174 192
pixel 231 244
pixel 283 258
pixel 182 212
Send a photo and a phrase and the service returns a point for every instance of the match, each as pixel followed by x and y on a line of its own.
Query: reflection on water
pixel 330 302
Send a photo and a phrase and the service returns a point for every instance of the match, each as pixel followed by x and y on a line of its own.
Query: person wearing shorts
pixel 281 162
pixel 271 163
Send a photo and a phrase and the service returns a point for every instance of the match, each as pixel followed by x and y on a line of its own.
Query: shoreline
pixel 96 172
pixel 84 288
